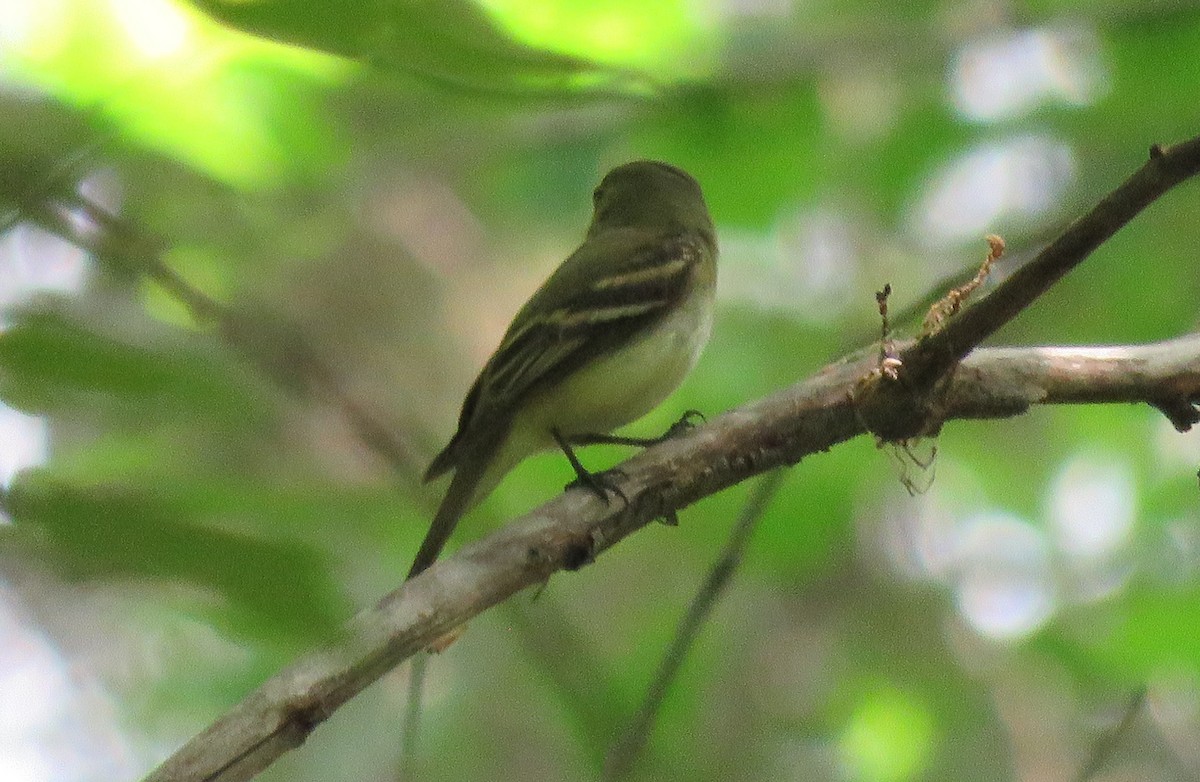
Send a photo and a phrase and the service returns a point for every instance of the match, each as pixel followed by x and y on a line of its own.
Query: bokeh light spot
pixel 1020 178
pixel 1006 75
pixel 26 443
pixel 888 738
pixel 1004 588
pixel 1092 507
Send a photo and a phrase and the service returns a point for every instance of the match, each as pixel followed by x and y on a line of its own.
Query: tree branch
pixel 569 531
pixel 929 359
pixel 840 402
pixel 1165 375
pixel 1106 743
pixel 905 399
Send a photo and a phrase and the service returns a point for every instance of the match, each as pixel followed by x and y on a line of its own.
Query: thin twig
pixel 568 662
pixel 1103 748
pixel 625 751
pixel 412 718
pixel 889 363
pixel 949 305
pixel 1168 166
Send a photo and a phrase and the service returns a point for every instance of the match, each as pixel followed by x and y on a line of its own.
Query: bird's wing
pixel 615 284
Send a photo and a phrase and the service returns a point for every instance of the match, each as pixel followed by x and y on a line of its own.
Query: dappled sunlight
pixel 34 261
pixel 56 723
pixel 819 258
pixel 36 30
pixel 174 80
pixel 1009 575
pixel 671 38
pixel 1092 511
pixel 888 738
pixel 157 30
pixel 26 440
pixel 808 265
pixel 1092 506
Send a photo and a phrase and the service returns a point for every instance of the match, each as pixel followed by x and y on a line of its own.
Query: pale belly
pixel 616 390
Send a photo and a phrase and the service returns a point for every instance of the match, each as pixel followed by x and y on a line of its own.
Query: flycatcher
pixel 607 337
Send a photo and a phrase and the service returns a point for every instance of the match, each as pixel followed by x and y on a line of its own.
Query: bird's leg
pixel 685 423
pixel 599 483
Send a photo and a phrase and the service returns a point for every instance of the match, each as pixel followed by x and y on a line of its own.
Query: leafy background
pixel 369 191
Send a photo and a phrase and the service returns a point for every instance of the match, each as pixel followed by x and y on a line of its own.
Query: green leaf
pixel 274 587
pixel 49 361
pixel 453 43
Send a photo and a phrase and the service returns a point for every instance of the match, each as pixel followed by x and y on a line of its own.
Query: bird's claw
pixel 686 423
pixel 599 483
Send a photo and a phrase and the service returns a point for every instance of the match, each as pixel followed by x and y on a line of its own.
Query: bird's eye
pixel 596 196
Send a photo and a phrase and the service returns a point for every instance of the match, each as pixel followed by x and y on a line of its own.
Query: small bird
pixel 603 341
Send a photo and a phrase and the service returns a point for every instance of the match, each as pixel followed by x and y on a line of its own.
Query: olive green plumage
pixel 605 339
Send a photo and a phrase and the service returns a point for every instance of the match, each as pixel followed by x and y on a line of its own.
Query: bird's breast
pixel 624 385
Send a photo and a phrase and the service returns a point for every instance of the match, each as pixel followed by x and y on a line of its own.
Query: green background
pixel 380 186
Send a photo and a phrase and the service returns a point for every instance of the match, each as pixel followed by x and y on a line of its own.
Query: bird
pixel 606 338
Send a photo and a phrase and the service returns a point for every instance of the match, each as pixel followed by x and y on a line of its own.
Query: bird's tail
pixel 465 489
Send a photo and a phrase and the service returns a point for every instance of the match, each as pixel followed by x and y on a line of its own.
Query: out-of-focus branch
pixel 1104 745
pixel 626 749
pixel 277 350
pixel 568 532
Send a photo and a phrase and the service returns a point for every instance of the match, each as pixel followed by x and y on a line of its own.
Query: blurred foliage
pixel 367 192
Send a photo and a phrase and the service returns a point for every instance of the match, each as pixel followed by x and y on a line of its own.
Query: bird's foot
pixel 686 423
pixel 599 483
